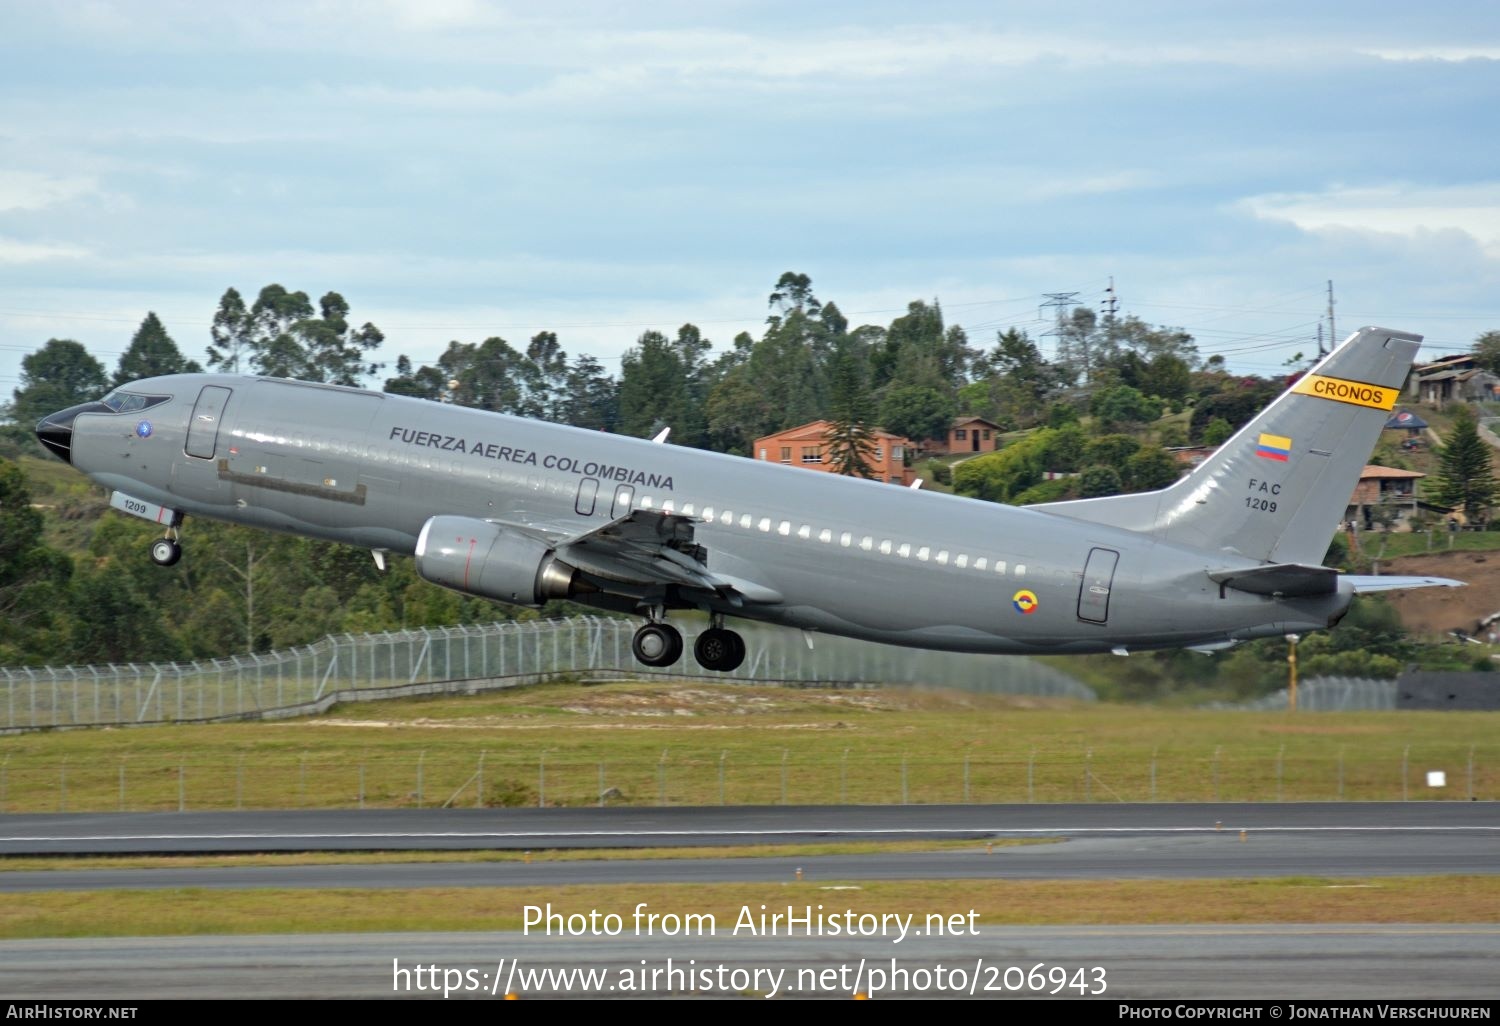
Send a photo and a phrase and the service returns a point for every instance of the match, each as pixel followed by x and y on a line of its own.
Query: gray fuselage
pixel 851 557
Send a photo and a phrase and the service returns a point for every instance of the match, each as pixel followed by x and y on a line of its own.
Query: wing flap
pixel 643 547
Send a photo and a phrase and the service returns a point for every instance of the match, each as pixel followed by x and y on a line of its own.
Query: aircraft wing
pixel 644 546
pixel 1296 580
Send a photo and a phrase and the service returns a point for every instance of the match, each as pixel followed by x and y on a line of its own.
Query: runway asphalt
pixel 1282 963
pixel 526 828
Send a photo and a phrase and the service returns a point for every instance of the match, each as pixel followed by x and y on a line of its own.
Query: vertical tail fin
pixel 1279 488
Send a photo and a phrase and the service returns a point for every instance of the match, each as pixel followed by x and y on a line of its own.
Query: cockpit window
pixel 120 401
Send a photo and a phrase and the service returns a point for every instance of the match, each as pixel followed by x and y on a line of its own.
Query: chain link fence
pixel 445 776
pixel 1325 694
pixel 302 681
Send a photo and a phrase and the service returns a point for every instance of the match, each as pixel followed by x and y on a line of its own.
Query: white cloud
pixel 13 251
pixel 27 190
pixel 1450 54
pixel 1391 209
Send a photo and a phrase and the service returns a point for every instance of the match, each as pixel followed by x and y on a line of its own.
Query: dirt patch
pixel 1440 610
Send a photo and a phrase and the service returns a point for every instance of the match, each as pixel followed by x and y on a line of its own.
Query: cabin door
pixel 203 426
pixel 1098 578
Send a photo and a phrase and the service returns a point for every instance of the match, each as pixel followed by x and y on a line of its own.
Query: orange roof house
pixel 807 447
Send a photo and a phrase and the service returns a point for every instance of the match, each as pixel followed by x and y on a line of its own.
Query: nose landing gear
pixel 166 551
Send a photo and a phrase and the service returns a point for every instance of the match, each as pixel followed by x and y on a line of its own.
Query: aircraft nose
pixel 56 432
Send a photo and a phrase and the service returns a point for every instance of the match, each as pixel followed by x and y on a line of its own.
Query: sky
pixel 459 169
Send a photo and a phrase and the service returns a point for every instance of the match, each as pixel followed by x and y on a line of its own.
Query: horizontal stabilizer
pixel 1395 582
pixel 1288 580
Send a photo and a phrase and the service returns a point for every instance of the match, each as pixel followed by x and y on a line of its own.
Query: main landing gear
pixel 660 644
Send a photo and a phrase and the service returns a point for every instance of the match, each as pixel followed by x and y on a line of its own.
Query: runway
pixel 1330 840
pixel 1144 856
pixel 516 829
pixel 1252 963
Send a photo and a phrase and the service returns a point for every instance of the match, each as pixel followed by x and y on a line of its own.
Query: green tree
pixel 850 442
pixel 152 353
pixel 33 576
pixel 655 390
pixel 1096 481
pixel 1466 480
pixel 59 375
pixel 1123 406
pixel 1149 469
pixel 591 398
pixel 1217 431
pixel 334 351
pixel 918 412
pixel 230 350
pixel 1487 351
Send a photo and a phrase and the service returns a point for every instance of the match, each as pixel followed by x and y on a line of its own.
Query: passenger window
pixel 999 566
pixel 922 553
pixel 961 560
pixel 846 539
pixel 942 557
pixel 1020 569
pixel 804 532
pixel 746 521
pixel 765 524
pixel 904 551
pixel 867 543
pixel 825 536
pixel 687 509
pixel 885 546
pixel 981 563
pixel 785 529
pixel 708 514
pixel 668 506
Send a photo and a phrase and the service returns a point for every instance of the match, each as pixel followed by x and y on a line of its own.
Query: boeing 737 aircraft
pixel 524 512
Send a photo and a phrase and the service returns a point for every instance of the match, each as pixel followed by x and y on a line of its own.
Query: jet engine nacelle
pixel 480 558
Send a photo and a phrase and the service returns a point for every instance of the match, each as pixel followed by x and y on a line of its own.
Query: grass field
pixel 663 743
pixel 675 743
pixel 1454 899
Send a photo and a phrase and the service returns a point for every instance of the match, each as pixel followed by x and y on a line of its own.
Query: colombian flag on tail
pixel 1274 447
